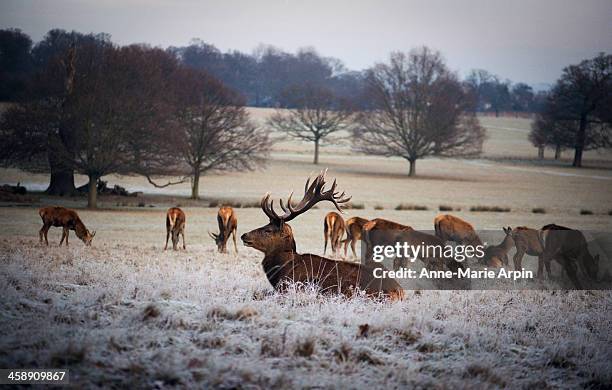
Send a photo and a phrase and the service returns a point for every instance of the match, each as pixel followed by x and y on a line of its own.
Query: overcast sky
pixel 523 40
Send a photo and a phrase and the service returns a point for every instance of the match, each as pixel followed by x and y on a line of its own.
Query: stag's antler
pixel 313 193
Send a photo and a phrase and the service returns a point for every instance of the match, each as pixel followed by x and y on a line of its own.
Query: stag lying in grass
pixel 451 228
pixel 333 230
pixel 354 227
pixel 175 226
pixel 569 248
pixel 527 241
pixel 228 224
pixel 68 220
pixel 497 255
pixel 283 265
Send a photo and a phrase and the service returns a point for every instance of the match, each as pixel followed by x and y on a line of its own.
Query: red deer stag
pixel 228 223
pixel 68 220
pixel 354 227
pixel 451 228
pixel 527 241
pixel 333 229
pixel 497 255
pixel 569 248
pixel 282 264
pixel 175 225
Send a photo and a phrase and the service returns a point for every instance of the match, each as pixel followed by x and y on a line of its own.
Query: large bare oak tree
pixel 420 110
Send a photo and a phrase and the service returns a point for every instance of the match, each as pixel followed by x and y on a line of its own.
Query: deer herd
pixel 283 266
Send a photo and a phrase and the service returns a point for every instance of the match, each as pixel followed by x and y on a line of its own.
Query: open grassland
pixel 125 313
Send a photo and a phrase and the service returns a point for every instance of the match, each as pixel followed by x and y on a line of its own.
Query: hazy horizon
pixel 523 41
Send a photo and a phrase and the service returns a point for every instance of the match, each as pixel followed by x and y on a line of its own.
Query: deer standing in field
pixel 228 224
pixel 68 220
pixel 383 232
pixel 354 227
pixel 175 226
pixel 282 264
pixel 333 229
pixel 451 228
pixel 382 225
pixel 497 255
pixel 527 241
pixel 569 248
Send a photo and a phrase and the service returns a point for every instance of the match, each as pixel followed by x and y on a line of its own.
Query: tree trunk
pixel 580 136
pixel 557 152
pixel 62 178
pixel 316 152
pixel 92 192
pixel 412 171
pixel 541 152
pixel 195 186
pixel 61 183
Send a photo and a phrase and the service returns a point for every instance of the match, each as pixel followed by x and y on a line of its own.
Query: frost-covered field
pixel 125 313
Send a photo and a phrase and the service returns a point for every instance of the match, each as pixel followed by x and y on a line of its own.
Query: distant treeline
pixel 262 77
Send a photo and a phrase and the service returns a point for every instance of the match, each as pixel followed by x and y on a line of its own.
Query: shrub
pixel 538 210
pixel 379 207
pixel 586 212
pixel 404 206
pixel 445 208
pixel 495 209
pixel 355 206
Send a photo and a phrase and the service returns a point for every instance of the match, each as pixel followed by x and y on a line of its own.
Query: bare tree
pixel 421 110
pixel 110 118
pixel 214 128
pixel 581 99
pixel 315 114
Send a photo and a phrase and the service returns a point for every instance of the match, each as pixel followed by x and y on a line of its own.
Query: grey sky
pixel 522 40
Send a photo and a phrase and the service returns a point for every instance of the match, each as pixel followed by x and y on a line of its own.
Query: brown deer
pixel 451 228
pixel 527 241
pixel 354 227
pixel 497 255
pixel 282 264
pixel 68 220
pixel 569 248
pixel 228 223
pixel 175 225
pixel 384 232
pixel 333 229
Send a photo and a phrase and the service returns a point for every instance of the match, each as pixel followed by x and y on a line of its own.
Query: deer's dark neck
pixel 507 243
pixel 80 229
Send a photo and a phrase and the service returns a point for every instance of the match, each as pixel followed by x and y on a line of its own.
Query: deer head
pixel 88 237
pixel 221 243
pixel 277 235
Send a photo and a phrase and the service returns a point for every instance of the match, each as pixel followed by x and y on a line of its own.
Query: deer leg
pixel 548 271
pixel 183 234
pixel 570 266
pixel 234 237
pixel 325 236
pixel 167 238
pixel 46 233
pixel 353 243
pixel 43 233
pixel 518 259
pixel 67 233
pixel 63 235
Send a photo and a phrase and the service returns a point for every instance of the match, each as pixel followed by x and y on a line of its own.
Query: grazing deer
pixel 333 229
pixel 569 248
pixel 354 227
pixel 527 241
pixel 175 225
pixel 497 255
pixel 68 220
pixel 228 223
pixel 382 225
pixel 451 228
pixel 282 264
